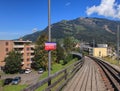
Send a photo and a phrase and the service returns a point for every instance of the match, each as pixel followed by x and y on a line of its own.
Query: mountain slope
pixel 86 29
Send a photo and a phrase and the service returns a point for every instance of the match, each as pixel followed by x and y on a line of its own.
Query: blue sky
pixel 21 17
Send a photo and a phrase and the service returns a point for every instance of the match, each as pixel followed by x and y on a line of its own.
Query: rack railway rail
pixel 110 75
pixel 88 78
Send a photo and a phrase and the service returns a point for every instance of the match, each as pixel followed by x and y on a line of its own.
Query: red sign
pixel 50 46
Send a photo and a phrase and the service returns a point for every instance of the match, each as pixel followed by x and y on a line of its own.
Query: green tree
pixel 60 53
pixel 67 58
pixel 69 44
pixel 13 62
pixel 41 55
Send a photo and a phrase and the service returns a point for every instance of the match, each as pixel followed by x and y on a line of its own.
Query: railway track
pixel 110 75
pixel 86 79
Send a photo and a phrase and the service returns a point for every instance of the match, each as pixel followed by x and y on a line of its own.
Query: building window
pixel 28 59
pixel 28 54
pixel 6 50
pixel 99 53
pixel 28 48
pixel 6 43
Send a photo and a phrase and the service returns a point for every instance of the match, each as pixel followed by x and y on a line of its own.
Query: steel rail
pixel 111 73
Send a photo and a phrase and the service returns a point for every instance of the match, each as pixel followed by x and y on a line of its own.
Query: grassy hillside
pixel 86 29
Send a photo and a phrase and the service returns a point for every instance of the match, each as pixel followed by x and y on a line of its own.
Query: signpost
pixel 50 46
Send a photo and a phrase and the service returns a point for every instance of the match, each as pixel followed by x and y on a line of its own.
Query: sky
pixel 22 17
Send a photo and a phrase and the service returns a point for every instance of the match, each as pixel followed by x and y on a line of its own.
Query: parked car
pixel 22 71
pixel 7 81
pixel 28 71
pixel 16 80
pixel 40 71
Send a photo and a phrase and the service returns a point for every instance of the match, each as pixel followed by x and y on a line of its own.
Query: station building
pixel 100 52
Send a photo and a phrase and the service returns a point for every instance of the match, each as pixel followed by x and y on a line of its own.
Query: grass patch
pixel 1 82
pixel 13 87
pixel 55 68
pixel 112 61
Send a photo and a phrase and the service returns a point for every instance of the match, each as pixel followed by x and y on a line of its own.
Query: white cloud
pixel 34 30
pixel 108 8
pixel 68 3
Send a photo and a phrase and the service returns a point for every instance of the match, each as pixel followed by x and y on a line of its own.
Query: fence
pixel 57 80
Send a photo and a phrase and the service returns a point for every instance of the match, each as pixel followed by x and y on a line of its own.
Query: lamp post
pixel 49 39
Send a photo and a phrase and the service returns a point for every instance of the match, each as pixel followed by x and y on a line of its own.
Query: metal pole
pixel 49 39
pixel 93 46
pixel 93 43
pixel 118 44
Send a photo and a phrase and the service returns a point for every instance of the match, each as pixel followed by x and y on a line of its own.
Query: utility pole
pixel 49 39
pixel 118 44
pixel 93 43
pixel 93 46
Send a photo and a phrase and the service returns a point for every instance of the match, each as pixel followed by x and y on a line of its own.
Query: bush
pixel 68 58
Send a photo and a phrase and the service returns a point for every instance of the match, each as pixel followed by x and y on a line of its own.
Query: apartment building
pixel 26 48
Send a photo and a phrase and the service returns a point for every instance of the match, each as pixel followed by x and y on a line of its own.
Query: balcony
pixel 32 46
pixel 32 56
pixel 23 63
pixel 22 51
pixel 18 46
pixel 32 51
pixel 7 55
